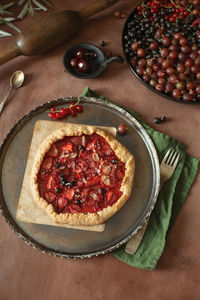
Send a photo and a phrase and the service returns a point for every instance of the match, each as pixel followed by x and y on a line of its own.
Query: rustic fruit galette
pixel 82 175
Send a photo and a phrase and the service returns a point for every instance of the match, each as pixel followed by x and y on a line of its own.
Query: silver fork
pixel 167 168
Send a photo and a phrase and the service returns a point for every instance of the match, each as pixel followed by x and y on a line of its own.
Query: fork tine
pixel 169 158
pixel 166 156
pixel 173 158
pixel 176 161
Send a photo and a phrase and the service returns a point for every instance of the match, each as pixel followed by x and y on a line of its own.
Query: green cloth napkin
pixel 169 202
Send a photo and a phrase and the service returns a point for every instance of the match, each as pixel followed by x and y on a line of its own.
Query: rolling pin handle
pixel 95 8
pixel 9 54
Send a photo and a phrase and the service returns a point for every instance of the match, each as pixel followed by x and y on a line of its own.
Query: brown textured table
pixel 25 273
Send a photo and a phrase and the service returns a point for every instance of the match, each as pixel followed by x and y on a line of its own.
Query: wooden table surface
pixel 26 273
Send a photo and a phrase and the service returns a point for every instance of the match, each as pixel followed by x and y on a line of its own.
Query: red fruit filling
pixel 81 174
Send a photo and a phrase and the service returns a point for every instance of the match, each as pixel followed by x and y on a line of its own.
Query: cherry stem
pixel 91 53
pixel 76 102
pixel 71 105
pixel 174 4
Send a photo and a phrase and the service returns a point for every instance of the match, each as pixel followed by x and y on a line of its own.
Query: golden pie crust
pixel 99 217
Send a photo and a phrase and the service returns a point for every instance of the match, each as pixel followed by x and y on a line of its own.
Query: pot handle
pixel 114 59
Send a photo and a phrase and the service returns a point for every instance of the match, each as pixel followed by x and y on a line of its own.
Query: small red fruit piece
pixel 109 196
pixel 79 108
pixel 59 115
pixel 53 151
pixel 62 202
pixel 183 41
pixel 80 53
pixel 178 35
pixel 51 184
pixel 166 41
pixel 68 147
pixel 73 208
pixel 50 197
pixel 67 111
pixel 122 129
pixel 172 19
pixel 69 194
pixel 141 52
pixel 52 115
pixel 74 62
pixel 47 163
pixel 117 14
pixel 120 174
pixel 73 111
pixel 198 89
pixel 53 109
pixel 92 181
pixel 134 46
pixel 89 209
pixel 62 111
pixel 83 65
pixel 91 145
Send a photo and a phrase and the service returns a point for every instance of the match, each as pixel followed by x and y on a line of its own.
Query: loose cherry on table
pixel 122 129
pixel 72 110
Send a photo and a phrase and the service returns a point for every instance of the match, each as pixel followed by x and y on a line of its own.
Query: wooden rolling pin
pixel 51 31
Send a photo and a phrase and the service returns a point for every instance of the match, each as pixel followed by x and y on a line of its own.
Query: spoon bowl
pixel 17 79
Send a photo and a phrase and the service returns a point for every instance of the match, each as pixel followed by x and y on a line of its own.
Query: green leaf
pixel 47 3
pixel 23 11
pixel 39 5
pixel 21 2
pixel 4 33
pixel 8 5
pixel 9 19
pixel 14 27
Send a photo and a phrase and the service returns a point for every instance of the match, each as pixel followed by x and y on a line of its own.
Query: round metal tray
pixel 71 243
pixel 125 29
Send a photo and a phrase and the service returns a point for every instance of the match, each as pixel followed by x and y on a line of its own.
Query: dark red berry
pixel 83 65
pixel 178 36
pixel 117 14
pixel 154 45
pixel 62 111
pixel 74 62
pixel 122 129
pixel 59 115
pixel 73 111
pixel 176 94
pixel 139 8
pixel 80 53
pixel 166 41
pixel 141 52
pixel 160 87
pixel 66 111
pixel 183 41
pixel 79 108
pixel 52 115
pixel 134 46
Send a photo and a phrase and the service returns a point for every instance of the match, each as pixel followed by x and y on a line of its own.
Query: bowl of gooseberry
pixel 161 44
pixel 86 60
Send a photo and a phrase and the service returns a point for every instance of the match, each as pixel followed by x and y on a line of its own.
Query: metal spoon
pixel 16 81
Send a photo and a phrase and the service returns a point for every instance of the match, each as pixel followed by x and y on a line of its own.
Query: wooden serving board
pixel 28 210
